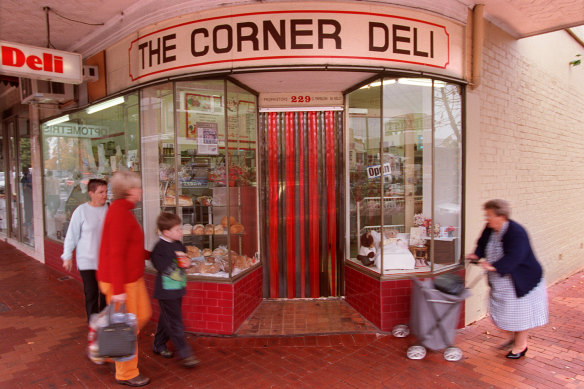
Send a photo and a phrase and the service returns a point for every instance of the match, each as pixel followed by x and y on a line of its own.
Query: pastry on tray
pixel 209 229
pixel 185 201
pixel 198 229
pixel 231 221
pixel 236 228
pixel 193 251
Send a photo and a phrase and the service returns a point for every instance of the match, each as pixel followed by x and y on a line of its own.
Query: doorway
pixel 16 206
pixel 302 200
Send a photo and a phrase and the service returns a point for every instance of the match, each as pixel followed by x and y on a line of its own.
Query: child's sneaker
pixel 164 353
pixel 191 361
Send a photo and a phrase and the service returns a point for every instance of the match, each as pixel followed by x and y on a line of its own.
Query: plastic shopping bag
pixel 112 335
pixel 96 320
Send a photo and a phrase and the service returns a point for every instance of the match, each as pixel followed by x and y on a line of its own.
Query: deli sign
pixel 40 63
pixel 289 36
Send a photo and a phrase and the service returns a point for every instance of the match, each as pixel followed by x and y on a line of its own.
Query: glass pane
pixel 364 137
pixel 3 208
pixel 242 146
pixel 201 173
pixel 158 144
pixel 93 143
pixel 448 172
pixel 14 181
pixel 26 172
pixel 407 148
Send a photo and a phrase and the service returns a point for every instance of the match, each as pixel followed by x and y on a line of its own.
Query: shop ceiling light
pixel 421 82
pixel 106 104
pixel 378 83
pixel 60 119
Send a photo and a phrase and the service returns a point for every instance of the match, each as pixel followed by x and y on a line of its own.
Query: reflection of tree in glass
pixel 448 114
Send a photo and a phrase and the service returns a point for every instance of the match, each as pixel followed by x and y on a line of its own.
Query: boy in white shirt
pixel 84 235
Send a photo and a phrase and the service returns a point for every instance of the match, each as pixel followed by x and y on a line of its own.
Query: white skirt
pixel 511 313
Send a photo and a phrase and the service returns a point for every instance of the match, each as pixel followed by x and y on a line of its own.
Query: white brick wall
pixel 529 148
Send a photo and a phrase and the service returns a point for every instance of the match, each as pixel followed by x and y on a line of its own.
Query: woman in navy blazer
pixel 518 297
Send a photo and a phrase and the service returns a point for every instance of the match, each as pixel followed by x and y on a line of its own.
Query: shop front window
pixel 16 210
pixel 405 170
pixel 3 215
pixel 92 143
pixel 199 139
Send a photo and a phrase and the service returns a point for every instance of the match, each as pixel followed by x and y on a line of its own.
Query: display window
pixel 16 182
pixel 92 143
pixel 3 215
pixel 204 136
pixel 405 172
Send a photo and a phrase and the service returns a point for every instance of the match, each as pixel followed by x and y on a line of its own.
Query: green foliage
pixel 577 61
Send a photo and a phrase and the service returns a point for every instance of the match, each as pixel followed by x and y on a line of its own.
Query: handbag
pixel 449 283
pixel 117 338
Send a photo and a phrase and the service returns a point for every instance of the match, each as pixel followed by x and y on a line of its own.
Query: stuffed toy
pixel 367 250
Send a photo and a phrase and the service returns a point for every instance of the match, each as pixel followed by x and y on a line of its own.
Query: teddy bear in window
pixel 367 251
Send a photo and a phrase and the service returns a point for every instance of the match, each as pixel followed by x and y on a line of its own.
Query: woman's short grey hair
pixel 123 181
pixel 499 207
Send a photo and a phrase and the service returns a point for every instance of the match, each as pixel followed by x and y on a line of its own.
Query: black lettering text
pixel 416 51
pixel 166 47
pixel 251 37
pixel 278 37
pixel 397 38
pixel 229 44
pixel 295 33
pixel 205 34
pixel 385 36
pixel 331 35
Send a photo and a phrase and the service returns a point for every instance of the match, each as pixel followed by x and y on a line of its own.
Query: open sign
pixel 375 170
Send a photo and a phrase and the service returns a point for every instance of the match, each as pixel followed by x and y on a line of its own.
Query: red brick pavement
pixel 42 345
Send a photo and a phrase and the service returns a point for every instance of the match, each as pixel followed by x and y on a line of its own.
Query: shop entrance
pixel 301 200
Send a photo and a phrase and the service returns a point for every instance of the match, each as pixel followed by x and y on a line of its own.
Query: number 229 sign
pixel 311 99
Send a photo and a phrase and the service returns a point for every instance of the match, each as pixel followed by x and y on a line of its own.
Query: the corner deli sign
pixel 40 63
pixel 290 37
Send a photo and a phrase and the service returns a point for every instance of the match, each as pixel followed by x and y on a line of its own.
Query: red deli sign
pixel 40 63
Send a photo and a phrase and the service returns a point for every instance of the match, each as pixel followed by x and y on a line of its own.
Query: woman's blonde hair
pixel 499 207
pixel 123 181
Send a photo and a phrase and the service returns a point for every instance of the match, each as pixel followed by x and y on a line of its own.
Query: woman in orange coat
pixel 121 263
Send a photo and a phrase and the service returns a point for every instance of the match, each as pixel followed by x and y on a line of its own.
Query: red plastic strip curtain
pixel 301 220
pixel 290 219
pixel 272 140
pixel 331 202
pixel 313 227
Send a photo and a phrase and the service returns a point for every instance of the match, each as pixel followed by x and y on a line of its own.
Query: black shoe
pixel 163 353
pixel 510 355
pixel 139 380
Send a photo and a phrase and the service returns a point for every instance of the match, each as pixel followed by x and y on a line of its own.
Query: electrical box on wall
pixel 90 73
pixel 41 91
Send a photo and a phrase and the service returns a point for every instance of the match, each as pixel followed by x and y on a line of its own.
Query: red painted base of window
pixel 53 251
pixel 208 307
pixel 385 303
pixel 216 308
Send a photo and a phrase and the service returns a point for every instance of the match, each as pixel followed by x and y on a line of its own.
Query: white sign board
pixel 40 63
pixel 284 34
pixel 305 99
pixel 375 170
